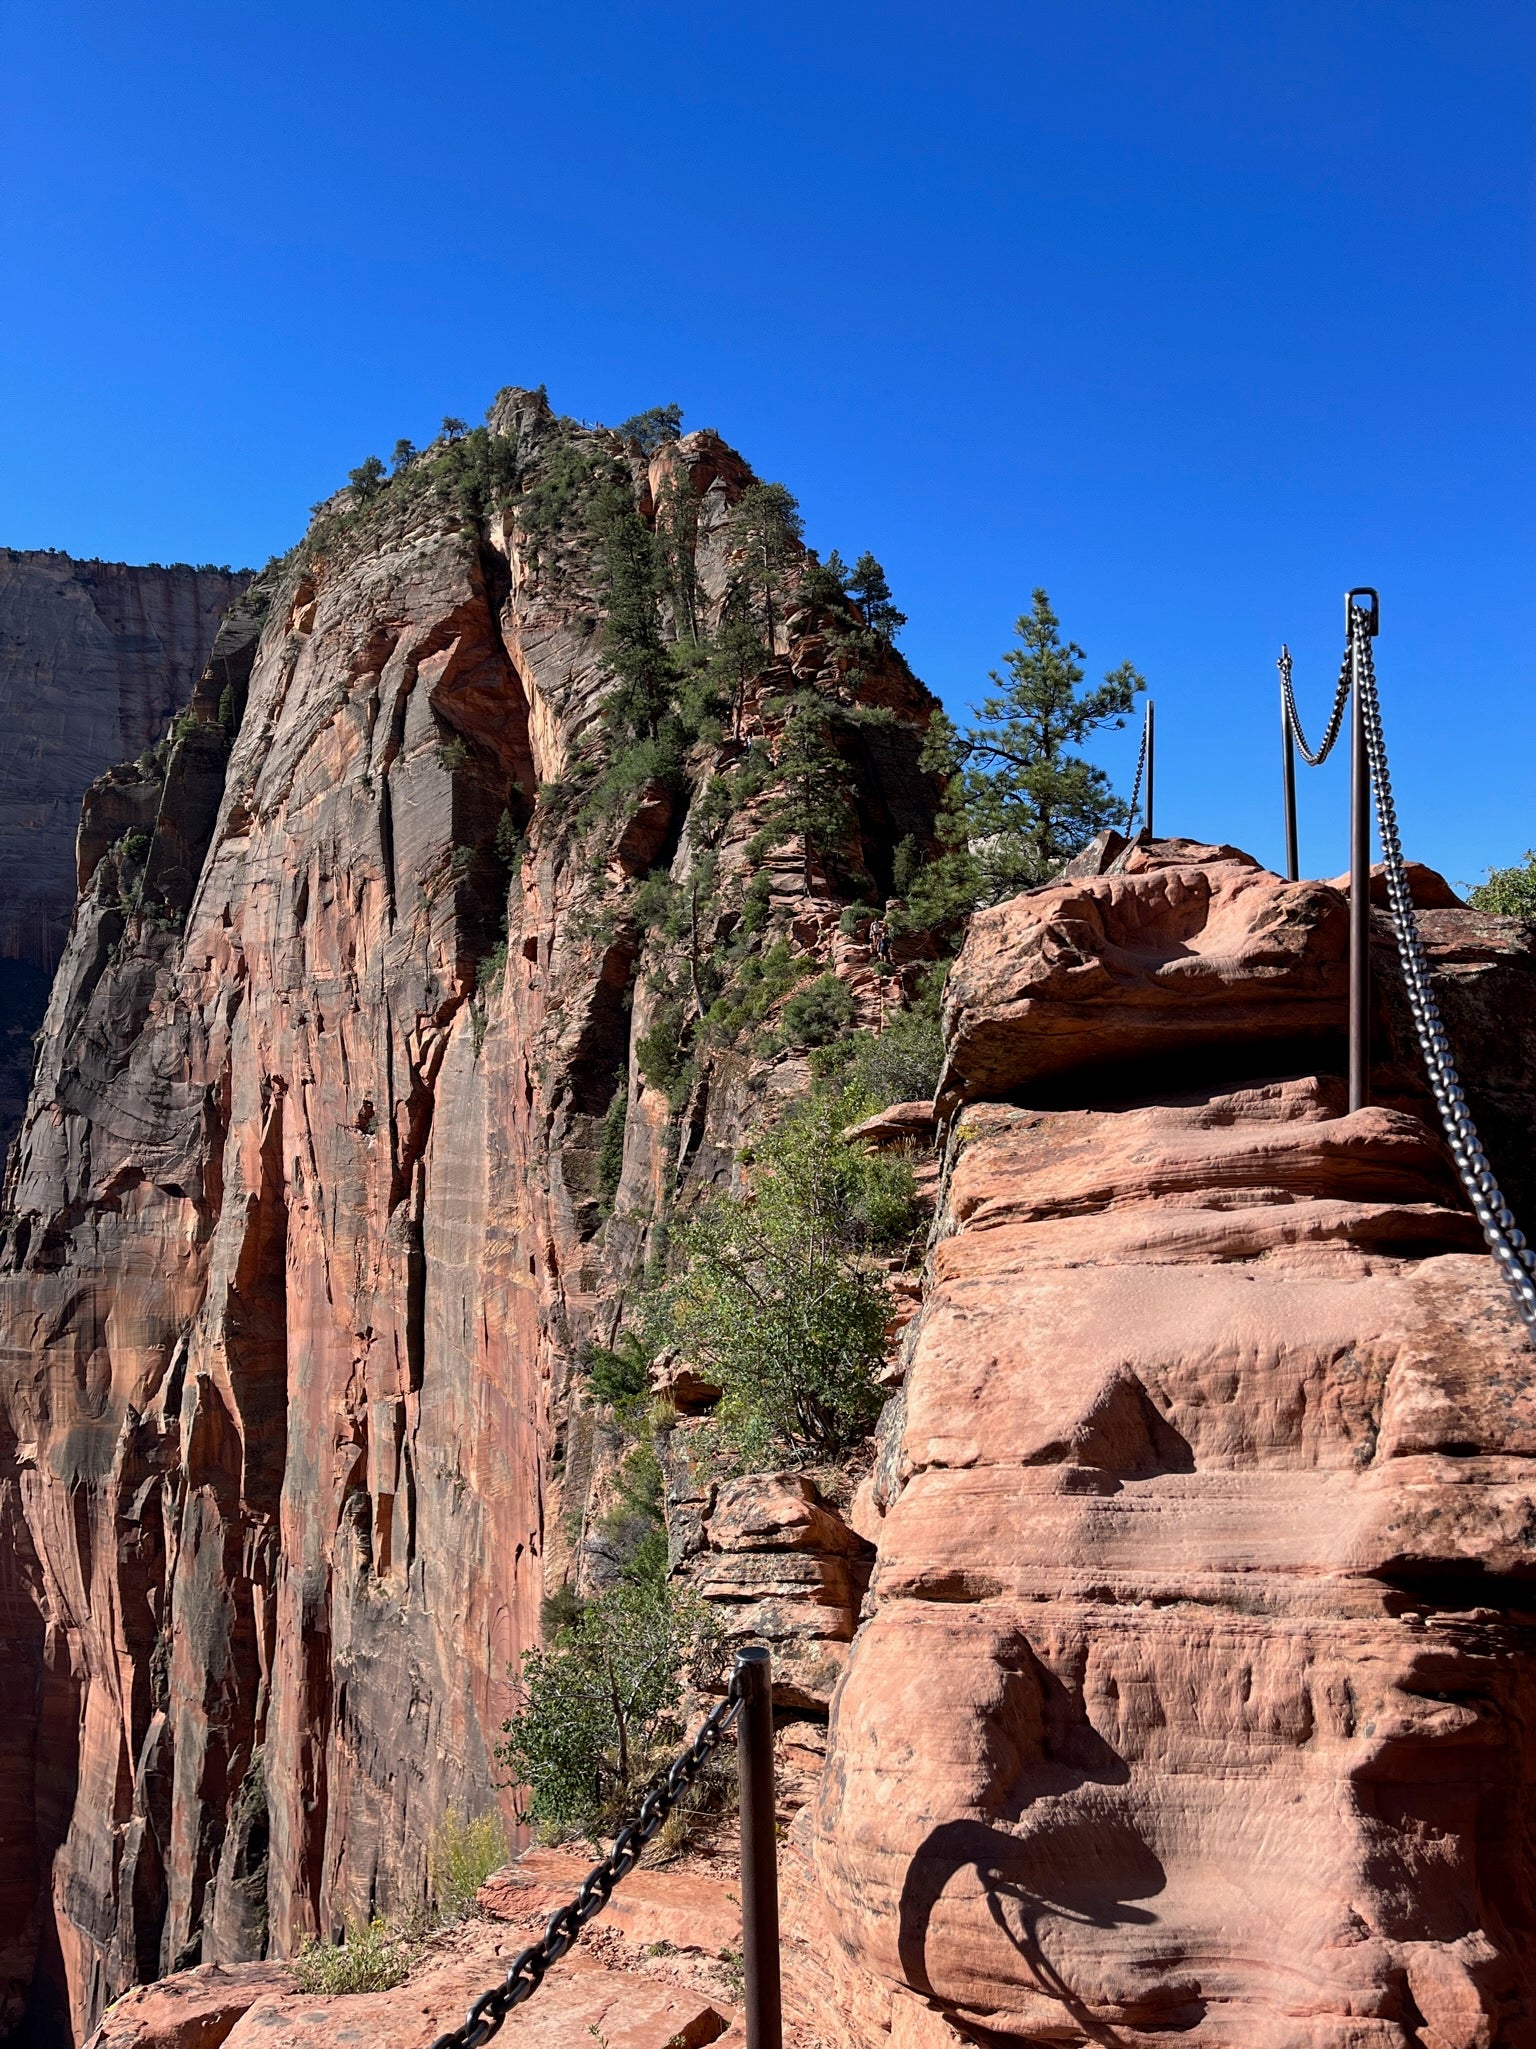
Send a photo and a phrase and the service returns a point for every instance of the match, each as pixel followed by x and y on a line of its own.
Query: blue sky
pixel 1193 313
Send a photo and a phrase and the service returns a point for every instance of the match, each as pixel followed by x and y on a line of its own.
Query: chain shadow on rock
pixel 1086 1870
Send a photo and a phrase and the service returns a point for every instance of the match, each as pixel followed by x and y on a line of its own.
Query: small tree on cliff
pixel 1020 800
pixel 767 527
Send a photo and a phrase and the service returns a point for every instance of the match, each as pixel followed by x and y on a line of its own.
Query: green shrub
pixel 818 1013
pixel 775 1296
pixel 463 1856
pixel 599 1709
pixel 371 1959
pixel 897 1065
pixel 453 754
pixel 1508 892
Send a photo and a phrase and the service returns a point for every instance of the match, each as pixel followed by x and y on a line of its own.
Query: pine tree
pixel 870 591
pixel 404 451
pixel 767 526
pixel 1020 802
pixel 366 479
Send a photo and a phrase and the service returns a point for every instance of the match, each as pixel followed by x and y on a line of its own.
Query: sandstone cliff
pixel 310 1216
pixel 95 660
pixel 1194 1700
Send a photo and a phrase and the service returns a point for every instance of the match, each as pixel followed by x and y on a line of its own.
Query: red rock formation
pixel 1196 1698
pixel 305 1231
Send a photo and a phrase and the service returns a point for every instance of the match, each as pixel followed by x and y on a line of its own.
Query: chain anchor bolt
pixel 1372 611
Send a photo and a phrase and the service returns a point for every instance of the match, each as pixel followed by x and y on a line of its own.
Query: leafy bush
pixel 1508 892
pixel 371 1959
pixel 599 1708
pixel 463 1856
pixel 897 1065
pixel 620 1377
pixel 818 1013
pixel 775 1298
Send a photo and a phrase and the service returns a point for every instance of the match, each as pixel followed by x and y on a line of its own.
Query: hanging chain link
pixel 1335 717
pixel 1514 1257
pixel 485 2017
pixel 1141 763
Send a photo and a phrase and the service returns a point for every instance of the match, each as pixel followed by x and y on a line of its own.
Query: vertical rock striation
pixel 95 659
pixel 305 1229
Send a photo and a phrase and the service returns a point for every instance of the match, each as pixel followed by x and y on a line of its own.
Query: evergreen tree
pixel 870 591
pixel 768 528
pixel 632 639
pixel 653 427
pixel 453 429
pixel 404 451
pixel 366 479
pixel 814 800
pixel 1020 802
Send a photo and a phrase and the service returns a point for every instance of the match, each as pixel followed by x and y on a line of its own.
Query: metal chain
pixel 485 2017
pixel 1141 762
pixel 1335 719
pixel 1515 1259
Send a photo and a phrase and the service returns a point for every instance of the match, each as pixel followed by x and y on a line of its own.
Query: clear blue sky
pixel 1194 313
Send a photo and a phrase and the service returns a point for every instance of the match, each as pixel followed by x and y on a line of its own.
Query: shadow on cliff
pixel 1028 1881
pixel 1086 1869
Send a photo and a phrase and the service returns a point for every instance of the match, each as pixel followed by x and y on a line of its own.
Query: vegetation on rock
pixel 776 1296
pixel 1020 801
pixel 1508 892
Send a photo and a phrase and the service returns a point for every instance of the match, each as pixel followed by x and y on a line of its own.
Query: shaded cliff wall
pixel 95 659
pixel 305 1230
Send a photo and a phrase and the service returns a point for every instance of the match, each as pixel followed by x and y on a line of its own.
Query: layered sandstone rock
pixel 95 660
pixel 305 1234
pixel 1195 1701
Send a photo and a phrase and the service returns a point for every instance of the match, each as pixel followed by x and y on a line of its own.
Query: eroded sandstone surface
pixel 1194 1701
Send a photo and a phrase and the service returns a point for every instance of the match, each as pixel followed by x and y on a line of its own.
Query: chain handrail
pixel 1141 763
pixel 561 1930
pixel 1335 717
pixel 1515 1259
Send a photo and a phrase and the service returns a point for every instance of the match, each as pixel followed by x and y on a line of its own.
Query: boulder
pixel 1190 953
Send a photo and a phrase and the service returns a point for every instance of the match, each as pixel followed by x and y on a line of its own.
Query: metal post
pixel 1359 874
pixel 759 1850
pixel 1151 749
pixel 1288 762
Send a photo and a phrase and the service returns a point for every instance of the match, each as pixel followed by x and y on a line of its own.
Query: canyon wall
pixel 307 1226
pixel 96 658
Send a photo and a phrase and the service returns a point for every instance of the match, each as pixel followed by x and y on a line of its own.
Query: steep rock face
pixel 1196 1696
pixel 306 1230
pixel 95 659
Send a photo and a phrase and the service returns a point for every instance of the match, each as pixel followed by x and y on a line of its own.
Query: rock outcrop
pixel 318 1204
pixel 95 660
pixel 1194 1700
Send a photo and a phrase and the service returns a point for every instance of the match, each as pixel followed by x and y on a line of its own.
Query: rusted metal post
pixel 759 1850
pixel 1359 872
pixel 1288 765
pixel 1151 753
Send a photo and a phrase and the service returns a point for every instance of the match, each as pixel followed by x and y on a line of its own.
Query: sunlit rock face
pixel 1196 1699
pixel 305 1235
